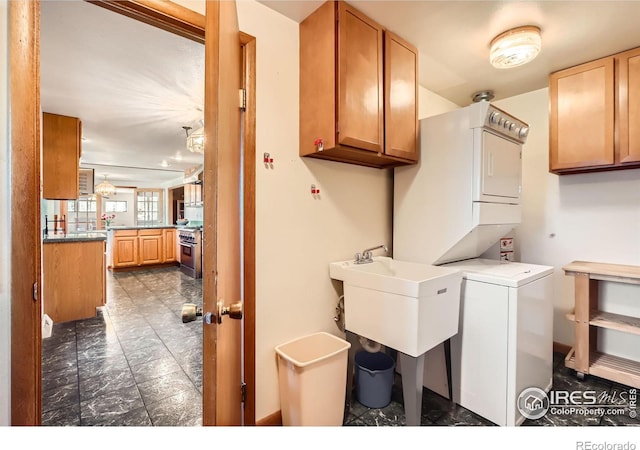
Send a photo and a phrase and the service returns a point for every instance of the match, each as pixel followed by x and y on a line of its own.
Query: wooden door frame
pixel 24 75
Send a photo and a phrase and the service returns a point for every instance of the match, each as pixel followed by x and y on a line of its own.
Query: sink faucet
pixel 367 254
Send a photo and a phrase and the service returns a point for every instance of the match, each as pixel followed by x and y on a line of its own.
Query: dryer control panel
pixel 506 125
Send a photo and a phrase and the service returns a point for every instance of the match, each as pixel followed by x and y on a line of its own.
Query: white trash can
pixel 312 372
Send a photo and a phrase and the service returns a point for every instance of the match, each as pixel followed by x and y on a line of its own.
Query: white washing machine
pixel 505 339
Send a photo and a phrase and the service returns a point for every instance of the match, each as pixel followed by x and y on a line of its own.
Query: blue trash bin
pixel 374 378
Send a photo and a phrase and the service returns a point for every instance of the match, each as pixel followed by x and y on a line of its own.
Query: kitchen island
pixel 74 283
pixel 141 247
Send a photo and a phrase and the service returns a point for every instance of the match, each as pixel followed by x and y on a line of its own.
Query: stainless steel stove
pixel 190 240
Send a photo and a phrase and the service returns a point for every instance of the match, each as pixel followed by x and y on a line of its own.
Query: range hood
pixel 193 175
pixel 464 194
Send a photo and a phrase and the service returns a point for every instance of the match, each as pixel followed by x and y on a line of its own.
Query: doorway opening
pixel 28 409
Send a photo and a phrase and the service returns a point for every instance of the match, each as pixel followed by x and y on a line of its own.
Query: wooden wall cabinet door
pixel 169 239
pixel 582 117
pixel 125 251
pixel 595 115
pixel 344 100
pixel 61 151
pixel 401 97
pixel 188 195
pixel 629 106
pixel 360 83
pixel 193 194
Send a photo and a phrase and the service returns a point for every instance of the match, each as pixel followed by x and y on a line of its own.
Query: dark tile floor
pixel 439 411
pixel 137 364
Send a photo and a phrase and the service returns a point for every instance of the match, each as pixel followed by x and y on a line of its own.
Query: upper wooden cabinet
pixel 358 90
pixel 594 115
pixel 629 106
pixel 61 151
pixel 193 194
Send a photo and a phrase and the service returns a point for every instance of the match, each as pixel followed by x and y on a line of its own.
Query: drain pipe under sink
pixel 369 345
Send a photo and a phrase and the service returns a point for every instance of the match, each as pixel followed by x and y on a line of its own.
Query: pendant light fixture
pixel 195 140
pixel 515 47
pixel 105 189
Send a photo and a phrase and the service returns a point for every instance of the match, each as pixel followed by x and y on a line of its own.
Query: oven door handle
pixel 182 244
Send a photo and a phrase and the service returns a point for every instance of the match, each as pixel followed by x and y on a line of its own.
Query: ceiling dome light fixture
pixel 105 189
pixel 195 140
pixel 515 47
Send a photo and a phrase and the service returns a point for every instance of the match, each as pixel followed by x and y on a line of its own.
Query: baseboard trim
pixel 561 348
pixel 272 420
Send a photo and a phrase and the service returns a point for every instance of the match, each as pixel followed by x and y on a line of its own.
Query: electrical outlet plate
pixel 506 256
pixel 506 244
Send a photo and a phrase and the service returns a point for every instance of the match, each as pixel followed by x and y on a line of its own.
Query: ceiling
pixel 453 38
pixel 134 86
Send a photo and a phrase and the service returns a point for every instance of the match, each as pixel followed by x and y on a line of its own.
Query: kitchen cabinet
pixel 629 107
pixel 150 245
pixel 594 115
pixel 584 357
pixel 125 248
pixel 193 194
pixel 61 151
pixel 170 245
pixel 74 281
pixel 358 90
pixel 136 247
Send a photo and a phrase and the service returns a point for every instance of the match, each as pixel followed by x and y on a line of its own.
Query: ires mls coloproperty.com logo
pixel 534 403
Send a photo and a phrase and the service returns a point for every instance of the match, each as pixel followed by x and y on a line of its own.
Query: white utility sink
pixel 407 306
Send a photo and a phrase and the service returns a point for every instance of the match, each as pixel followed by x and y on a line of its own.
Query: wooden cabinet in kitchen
pixel 193 194
pixel 595 115
pixel 170 249
pixel 136 247
pixel 358 90
pixel 125 248
pixel 150 244
pixel 74 281
pixel 61 151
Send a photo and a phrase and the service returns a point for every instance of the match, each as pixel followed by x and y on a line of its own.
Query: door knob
pixel 234 311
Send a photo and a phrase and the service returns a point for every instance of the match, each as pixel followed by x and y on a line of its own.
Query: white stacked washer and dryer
pixel 462 197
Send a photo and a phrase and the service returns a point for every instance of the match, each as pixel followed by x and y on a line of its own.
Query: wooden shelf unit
pixel 584 357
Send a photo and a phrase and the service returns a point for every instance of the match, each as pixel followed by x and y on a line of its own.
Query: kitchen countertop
pixel 124 227
pixel 74 237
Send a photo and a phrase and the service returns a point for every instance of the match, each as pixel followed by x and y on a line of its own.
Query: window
pixel 114 206
pixel 149 207
pixel 82 214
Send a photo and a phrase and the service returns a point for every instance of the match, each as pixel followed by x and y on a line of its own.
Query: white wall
pixel 431 104
pixel 590 217
pixel 5 220
pixel 297 235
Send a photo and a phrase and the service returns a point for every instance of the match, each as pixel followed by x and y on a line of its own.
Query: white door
pixel 501 173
